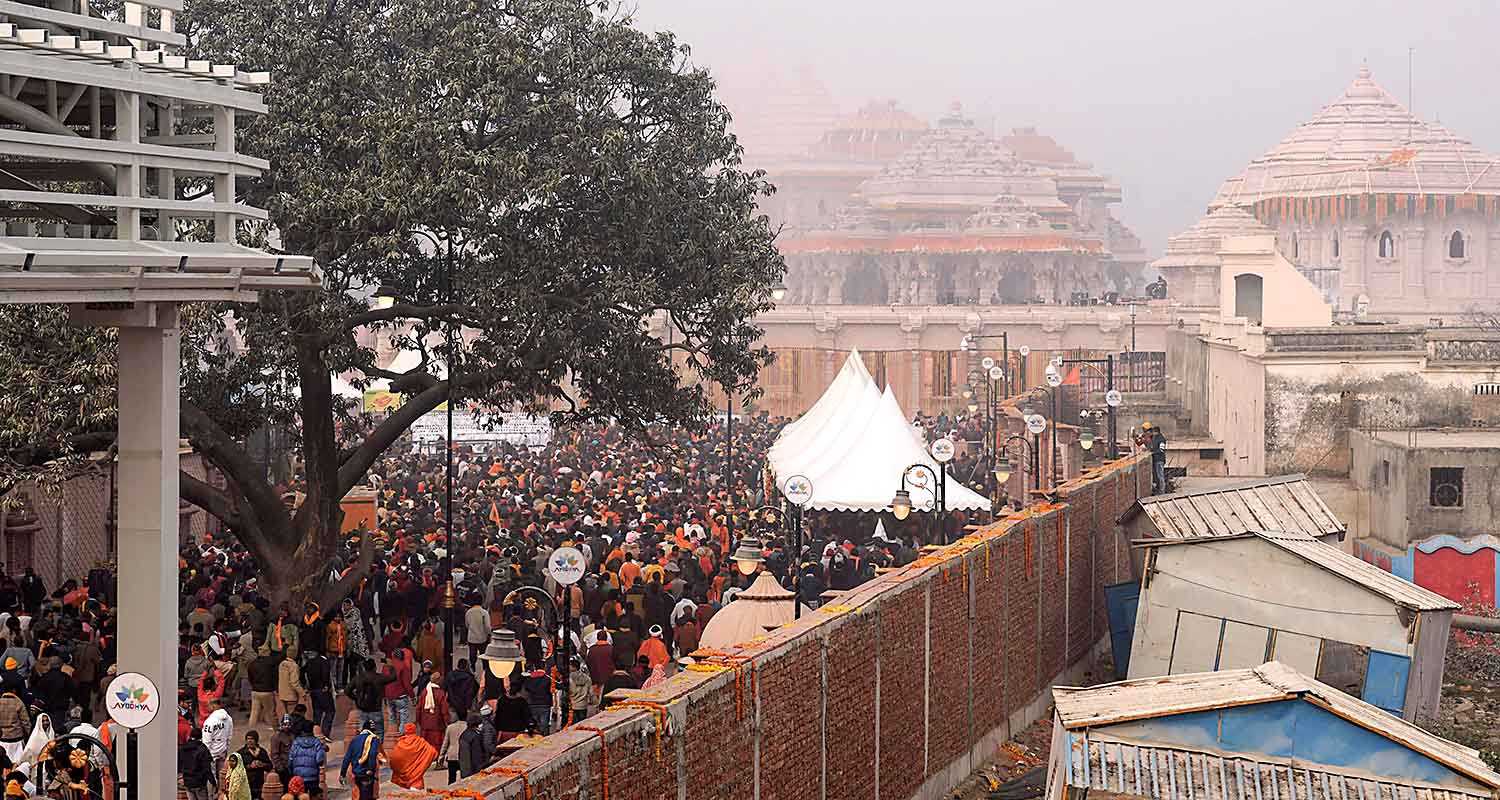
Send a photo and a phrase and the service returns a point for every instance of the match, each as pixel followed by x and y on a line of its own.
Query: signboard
pixel 996 373
pixel 1112 398
pixel 987 362
pixel 798 490
pixel 132 700
pixel 1036 423
pixel 1025 350
pixel 942 450
pixel 514 427
pixel 567 565
pixel 380 401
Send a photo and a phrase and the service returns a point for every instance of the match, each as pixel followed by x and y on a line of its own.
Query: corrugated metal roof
pixel 1174 773
pixel 1340 563
pixel 1284 503
pixel 1148 698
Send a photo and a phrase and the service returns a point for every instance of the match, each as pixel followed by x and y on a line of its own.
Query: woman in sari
pixel 237 787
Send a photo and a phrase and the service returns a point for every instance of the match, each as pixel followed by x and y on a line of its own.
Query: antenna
pixel 1411 101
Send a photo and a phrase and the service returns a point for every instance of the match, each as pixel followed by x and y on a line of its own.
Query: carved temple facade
pixel 901 236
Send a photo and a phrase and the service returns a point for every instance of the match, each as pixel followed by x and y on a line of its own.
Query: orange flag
pixel 495 514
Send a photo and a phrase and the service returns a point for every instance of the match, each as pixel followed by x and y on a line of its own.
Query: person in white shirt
pixel 218 732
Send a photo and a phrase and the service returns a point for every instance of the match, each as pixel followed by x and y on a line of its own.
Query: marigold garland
pixel 603 757
pixel 518 771
pixel 659 714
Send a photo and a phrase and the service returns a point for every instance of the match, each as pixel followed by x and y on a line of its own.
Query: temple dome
pixel 1365 142
pixel 879 131
pixel 1200 244
pixel 777 116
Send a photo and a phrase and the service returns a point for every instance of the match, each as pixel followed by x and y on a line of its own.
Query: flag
pixel 495 515
pixel 1074 378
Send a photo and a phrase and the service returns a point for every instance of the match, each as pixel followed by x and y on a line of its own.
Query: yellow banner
pixel 378 401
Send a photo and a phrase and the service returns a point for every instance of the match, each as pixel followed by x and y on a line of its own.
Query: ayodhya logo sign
pixel 132 700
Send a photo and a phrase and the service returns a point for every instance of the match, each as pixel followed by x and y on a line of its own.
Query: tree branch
pixel 208 498
pixel 403 311
pixel 223 452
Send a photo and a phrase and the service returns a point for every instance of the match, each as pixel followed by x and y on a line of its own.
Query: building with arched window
pixel 1368 200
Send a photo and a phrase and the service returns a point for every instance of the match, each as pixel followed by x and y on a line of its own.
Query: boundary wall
pixel 897 691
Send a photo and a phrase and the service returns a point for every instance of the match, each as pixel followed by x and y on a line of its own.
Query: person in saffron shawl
pixel 432 710
pixel 410 758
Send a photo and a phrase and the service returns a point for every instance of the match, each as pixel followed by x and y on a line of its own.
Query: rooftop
pixel 1458 439
pixel 1129 765
pixel 1335 561
pixel 1282 503
pixel 1364 142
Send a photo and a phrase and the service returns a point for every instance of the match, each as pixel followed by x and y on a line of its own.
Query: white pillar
pixel 149 370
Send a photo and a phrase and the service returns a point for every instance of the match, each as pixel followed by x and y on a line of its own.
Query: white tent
pixel 854 444
pixel 852 381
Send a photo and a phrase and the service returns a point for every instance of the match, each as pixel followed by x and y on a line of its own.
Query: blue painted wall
pixel 1290 729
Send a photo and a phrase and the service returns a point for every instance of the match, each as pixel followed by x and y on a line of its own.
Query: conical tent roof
pixel 856 462
pixel 851 381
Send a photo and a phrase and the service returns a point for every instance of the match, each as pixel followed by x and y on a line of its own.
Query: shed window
pixel 1343 665
pixel 1387 247
pixel 1456 245
pixel 1445 487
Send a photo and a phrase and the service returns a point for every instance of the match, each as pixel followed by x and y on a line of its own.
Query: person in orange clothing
pixel 630 572
pixel 654 650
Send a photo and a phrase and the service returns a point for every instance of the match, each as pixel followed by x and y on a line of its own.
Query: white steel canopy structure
pixel 102 125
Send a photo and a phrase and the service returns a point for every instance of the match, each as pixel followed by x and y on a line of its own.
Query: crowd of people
pixel 658 518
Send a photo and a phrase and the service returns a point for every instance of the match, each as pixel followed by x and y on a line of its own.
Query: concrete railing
pixel 897 691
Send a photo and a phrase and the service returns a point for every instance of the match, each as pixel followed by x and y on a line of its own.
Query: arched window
pixel 1387 247
pixel 1335 246
pixel 1456 245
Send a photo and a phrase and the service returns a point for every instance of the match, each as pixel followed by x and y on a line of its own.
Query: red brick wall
pixel 892 687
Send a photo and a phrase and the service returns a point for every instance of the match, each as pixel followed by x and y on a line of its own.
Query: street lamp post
pixel 1003 466
pixel 1111 397
pixel 798 490
pixel 901 504
pixel 1132 327
pixel 1054 379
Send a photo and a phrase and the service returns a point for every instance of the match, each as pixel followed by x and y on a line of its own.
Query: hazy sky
pixel 1168 96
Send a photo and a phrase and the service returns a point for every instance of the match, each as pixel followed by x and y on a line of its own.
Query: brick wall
pixel 897 691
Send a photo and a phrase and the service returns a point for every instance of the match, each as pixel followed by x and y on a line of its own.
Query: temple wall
pixel 899 689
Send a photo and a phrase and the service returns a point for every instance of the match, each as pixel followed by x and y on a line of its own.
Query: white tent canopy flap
pixel 854 444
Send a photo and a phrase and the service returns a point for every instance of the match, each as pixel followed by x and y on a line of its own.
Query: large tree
pixel 537 174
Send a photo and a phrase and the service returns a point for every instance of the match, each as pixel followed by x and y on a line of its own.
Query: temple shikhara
pixel 902 235
pixel 1384 212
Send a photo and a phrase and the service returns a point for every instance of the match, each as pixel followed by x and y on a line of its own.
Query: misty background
pixel 1168 97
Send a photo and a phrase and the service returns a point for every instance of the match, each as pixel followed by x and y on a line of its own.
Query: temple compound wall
pixel 897 690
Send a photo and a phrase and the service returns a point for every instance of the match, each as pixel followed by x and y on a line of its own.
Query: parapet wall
pixel 897 691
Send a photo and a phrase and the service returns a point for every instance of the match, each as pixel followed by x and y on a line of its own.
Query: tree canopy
pixel 530 180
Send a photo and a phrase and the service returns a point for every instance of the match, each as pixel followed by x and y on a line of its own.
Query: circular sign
pixel 1054 379
pixel 996 373
pixel 132 700
pixel 1112 398
pixel 987 362
pixel 942 449
pixel 1036 423
pixel 798 490
pixel 567 565
pixel 1025 350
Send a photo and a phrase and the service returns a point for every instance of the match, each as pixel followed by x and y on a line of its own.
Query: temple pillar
pixel 1412 247
pixel 836 285
pixel 1353 279
pixel 926 282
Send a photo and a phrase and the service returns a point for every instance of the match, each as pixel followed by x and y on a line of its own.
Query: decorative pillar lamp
pixel 747 557
pixel 778 292
pixel 901 505
pixel 502 653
